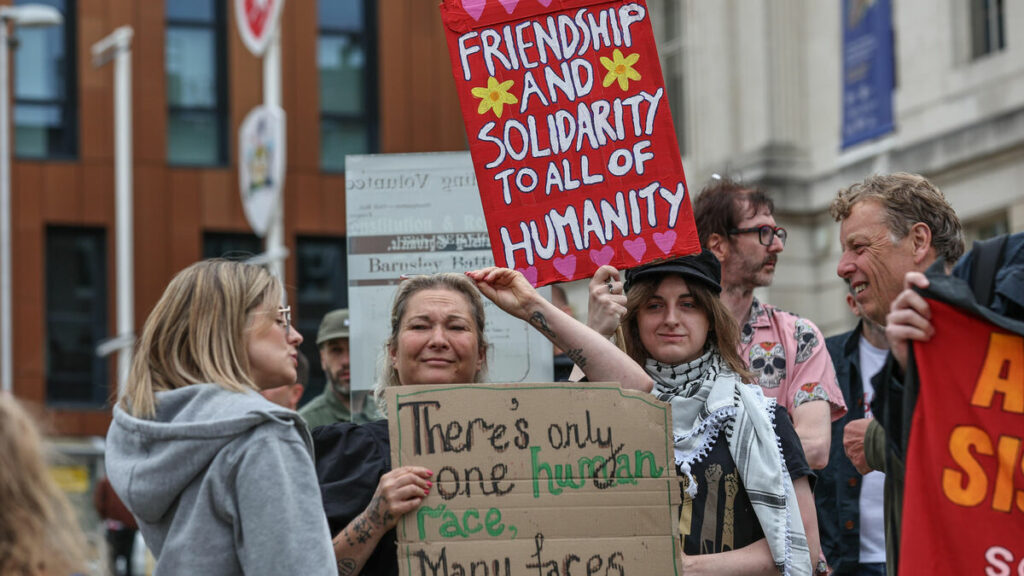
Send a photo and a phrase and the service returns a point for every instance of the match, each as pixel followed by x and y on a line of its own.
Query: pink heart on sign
pixel 602 256
pixel 665 241
pixel 509 5
pixel 530 274
pixel 636 248
pixel 474 7
pixel 544 3
pixel 565 266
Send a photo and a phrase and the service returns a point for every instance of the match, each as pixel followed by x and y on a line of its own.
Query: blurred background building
pixel 759 91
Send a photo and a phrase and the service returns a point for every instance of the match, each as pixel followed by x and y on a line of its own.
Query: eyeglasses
pixel 765 234
pixel 284 319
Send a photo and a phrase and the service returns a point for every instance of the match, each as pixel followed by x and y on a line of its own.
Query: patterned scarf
pixel 707 396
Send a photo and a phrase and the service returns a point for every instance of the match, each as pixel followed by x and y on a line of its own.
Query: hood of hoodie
pixel 150 462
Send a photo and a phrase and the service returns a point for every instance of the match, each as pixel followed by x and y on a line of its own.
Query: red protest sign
pixel 963 507
pixel 571 135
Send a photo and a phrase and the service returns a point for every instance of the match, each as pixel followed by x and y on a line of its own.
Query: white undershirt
pixel 872 491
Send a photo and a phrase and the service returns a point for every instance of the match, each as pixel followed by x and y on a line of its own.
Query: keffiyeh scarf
pixel 707 396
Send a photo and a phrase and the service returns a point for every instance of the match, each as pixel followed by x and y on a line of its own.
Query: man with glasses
pixel 786 353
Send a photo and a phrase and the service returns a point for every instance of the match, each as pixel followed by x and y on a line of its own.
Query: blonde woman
pixel 39 534
pixel 220 479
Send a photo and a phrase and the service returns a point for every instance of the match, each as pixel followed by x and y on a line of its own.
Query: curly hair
pixel 907 199
pixel 39 532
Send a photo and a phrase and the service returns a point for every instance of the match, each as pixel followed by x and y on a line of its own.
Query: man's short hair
pixel 723 204
pixel 907 200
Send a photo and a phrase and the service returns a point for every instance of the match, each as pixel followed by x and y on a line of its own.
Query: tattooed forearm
pixel 346 567
pixel 577 357
pixel 362 529
pixel 378 514
pixel 541 323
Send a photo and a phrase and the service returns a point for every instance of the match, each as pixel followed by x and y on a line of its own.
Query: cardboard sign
pixel 257 21
pixel 552 479
pixel 261 150
pixel 963 510
pixel 571 135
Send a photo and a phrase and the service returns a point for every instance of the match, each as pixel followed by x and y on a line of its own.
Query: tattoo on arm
pixel 538 320
pixel 346 567
pixel 577 357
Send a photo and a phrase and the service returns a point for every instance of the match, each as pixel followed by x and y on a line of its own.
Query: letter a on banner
pixel 571 136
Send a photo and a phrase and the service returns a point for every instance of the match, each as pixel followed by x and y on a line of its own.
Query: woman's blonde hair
pixel 723 330
pixel 445 281
pixel 196 332
pixel 39 532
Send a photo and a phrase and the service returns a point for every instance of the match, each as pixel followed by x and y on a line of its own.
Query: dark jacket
pixel 837 494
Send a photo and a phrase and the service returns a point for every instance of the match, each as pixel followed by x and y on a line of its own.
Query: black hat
pixel 703 267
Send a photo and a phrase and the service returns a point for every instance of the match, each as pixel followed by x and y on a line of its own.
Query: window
pixel 45 111
pixel 347 63
pixel 322 287
pixel 76 316
pixel 195 62
pixel 231 245
pixel 987 27
pixel 671 50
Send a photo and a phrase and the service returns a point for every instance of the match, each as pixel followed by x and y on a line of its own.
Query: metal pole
pixel 124 216
pixel 117 45
pixel 272 97
pixel 6 354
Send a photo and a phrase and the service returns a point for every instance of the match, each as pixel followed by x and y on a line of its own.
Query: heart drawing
pixel 530 274
pixel 565 266
pixel 665 241
pixel 510 5
pixel 636 248
pixel 474 7
pixel 602 256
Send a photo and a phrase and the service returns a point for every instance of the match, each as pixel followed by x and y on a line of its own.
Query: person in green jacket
pixel 337 403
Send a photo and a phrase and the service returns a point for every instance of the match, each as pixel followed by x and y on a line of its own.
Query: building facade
pixel 757 93
pixel 358 76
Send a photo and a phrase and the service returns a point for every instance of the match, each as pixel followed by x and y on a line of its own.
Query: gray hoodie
pixel 221 483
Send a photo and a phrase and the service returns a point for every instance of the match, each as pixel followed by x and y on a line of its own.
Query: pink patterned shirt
pixel 787 354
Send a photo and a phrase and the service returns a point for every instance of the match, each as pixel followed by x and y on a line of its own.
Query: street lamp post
pixel 27 15
pixel 118 47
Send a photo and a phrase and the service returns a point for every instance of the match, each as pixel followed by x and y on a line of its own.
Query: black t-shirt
pixel 350 459
pixel 721 517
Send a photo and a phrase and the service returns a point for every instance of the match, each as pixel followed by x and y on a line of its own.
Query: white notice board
pixel 420 214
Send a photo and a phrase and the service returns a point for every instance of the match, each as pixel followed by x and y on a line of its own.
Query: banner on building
pixel 537 479
pixel 964 499
pixel 571 136
pixel 868 79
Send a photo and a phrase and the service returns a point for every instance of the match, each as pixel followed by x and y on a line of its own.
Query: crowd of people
pixel 222 476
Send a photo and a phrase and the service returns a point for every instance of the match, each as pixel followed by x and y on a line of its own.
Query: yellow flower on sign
pixel 494 96
pixel 620 68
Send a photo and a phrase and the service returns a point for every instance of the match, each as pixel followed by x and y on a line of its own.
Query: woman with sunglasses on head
pixel 437 337
pixel 737 454
pixel 220 479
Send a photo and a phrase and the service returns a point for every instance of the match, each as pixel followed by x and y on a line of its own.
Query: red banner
pixel 571 135
pixel 964 498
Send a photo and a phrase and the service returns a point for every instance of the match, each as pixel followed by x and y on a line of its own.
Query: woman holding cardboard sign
pixel 730 440
pixel 437 337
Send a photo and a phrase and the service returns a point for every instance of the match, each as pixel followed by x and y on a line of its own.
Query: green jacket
pixel 327 409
